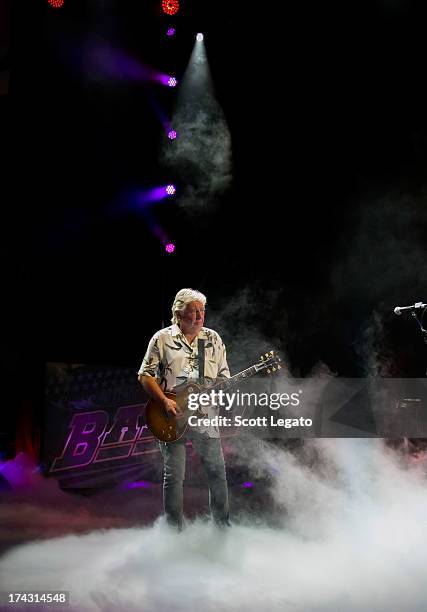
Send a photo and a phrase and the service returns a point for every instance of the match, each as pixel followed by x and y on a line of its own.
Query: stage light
pixel 170 247
pixel 172 134
pixel 171 32
pixel 56 3
pixel 170 189
pixel 199 37
pixel 170 7
pixel 143 484
pixel 172 82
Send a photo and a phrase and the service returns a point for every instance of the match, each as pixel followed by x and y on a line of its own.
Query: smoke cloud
pixel 350 534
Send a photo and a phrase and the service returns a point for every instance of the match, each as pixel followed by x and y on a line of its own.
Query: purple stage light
pixel 168 80
pixel 170 189
pixel 20 471
pixel 151 195
pixel 172 134
pixel 141 484
pixel 170 247
pixel 107 62
pixel 171 32
pixel 247 485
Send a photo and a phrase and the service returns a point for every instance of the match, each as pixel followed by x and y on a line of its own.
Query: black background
pixel 323 225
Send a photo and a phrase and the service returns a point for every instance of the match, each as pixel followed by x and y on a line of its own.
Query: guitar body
pixel 166 427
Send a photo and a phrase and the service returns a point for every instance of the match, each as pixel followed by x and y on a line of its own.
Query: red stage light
pixel 56 3
pixel 170 7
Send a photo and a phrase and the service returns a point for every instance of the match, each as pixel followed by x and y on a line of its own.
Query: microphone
pixel 399 309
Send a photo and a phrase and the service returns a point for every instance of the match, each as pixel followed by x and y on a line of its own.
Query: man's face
pixel 191 319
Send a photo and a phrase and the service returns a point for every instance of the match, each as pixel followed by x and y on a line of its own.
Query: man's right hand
pixel 170 406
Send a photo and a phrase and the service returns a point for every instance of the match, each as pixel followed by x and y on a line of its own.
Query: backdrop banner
pixel 93 433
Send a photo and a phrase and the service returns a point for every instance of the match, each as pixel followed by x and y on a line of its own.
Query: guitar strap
pixel 201 353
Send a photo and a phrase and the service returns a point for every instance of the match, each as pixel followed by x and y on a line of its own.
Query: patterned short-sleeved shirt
pixel 172 360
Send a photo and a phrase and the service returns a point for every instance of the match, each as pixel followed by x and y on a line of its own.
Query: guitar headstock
pixel 269 362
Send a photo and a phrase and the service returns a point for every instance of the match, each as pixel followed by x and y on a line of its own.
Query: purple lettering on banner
pixel 125 425
pixel 119 440
pixel 87 429
pixel 142 441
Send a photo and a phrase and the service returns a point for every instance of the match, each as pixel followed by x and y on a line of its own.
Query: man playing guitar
pixel 177 354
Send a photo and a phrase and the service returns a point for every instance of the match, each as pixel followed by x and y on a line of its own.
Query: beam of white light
pixel 202 156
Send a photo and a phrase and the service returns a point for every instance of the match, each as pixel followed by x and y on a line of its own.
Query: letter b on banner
pixel 87 429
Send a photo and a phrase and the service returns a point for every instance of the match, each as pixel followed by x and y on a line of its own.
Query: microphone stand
pixel 420 323
pixel 419 320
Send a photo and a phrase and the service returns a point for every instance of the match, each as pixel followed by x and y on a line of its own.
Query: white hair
pixel 184 297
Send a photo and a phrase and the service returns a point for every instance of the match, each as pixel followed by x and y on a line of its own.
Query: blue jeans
pixel 174 455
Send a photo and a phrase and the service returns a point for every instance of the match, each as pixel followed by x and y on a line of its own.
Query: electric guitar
pixel 167 427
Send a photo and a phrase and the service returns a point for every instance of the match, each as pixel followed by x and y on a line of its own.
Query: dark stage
pixel 278 165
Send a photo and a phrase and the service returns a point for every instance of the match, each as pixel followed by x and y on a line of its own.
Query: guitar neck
pixel 229 383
